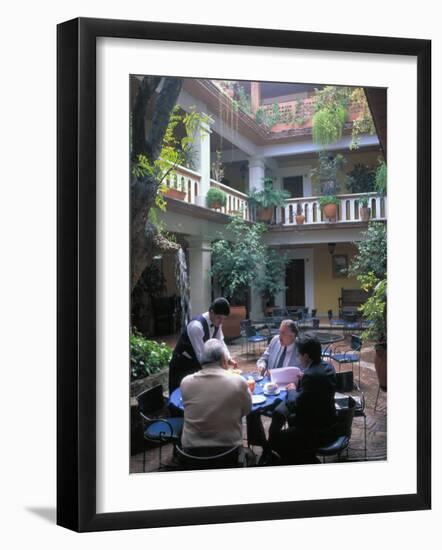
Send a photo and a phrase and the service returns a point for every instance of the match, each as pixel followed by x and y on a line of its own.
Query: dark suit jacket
pixel 311 407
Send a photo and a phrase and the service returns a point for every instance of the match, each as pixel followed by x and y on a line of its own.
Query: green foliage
pixel 374 309
pixel 328 199
pixel 242 99
pixel 372 252
pixel 363 202
pixel 361 179
pixel 147 356
pixel 381 178
pixel 331 113
pixel 245 261
pixel 326 175
pixel 268 118
pixel 267 197
pixel 215 195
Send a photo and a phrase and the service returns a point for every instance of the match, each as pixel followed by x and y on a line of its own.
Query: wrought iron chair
pixel 156 427
pixel 342 429
pixel 253 337
pixel 242 330
pixel 345 384
pixel 350 356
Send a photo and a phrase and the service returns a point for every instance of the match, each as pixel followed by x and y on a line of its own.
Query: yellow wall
pixel 327 289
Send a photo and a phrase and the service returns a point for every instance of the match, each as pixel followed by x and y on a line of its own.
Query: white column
pixel 256 311
pixel 256 173
pixel 202 149
pixel 199 274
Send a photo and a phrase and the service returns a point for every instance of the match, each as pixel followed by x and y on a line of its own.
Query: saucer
pixel 257 399
pixel 273 393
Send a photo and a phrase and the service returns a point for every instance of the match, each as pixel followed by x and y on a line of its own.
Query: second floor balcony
pixel 188 183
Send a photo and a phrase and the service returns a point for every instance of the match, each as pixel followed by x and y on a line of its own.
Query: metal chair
pixel 156 427
pixel 350 356
pixel 252 337
pixel 208 458
pixel 345 384
pixel 242 330
pixel 280 312
pixel 342 430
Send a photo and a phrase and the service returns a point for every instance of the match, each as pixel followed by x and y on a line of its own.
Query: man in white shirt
pixel 188 351
pixel 214 402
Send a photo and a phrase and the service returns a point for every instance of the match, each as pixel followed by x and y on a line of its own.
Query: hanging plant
pixel 328 124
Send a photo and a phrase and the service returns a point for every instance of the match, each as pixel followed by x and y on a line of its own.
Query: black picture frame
pixel 76 272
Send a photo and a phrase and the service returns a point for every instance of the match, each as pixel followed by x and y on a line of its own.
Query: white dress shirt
pixel 195 332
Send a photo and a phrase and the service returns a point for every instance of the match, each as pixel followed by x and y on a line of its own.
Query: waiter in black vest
pixel 188 350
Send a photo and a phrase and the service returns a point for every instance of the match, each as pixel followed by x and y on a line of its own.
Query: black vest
pixel 185 345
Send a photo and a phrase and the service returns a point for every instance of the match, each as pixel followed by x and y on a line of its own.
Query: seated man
pixel 214 403
pixel 281 352
pixel 309 410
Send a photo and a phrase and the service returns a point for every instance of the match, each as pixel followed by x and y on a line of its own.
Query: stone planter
pixel 264 214
pixel 175 193
pixel 364 213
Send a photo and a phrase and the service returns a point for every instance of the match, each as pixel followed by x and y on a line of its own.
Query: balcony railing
pixel 348 209
pixel 237 202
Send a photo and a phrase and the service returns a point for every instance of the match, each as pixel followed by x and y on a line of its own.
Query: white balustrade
pixel 185 180
pixel 237 202
pixel 348 209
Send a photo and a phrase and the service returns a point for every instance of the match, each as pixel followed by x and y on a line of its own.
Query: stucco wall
pixel 327 289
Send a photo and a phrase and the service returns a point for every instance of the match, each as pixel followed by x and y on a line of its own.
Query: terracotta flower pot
pixel 175 193
pixel 231 326
pixel 300 218
pixel 364 213
pixel 330 211
pixel 215 205
pixel 264 214
pixel 380 365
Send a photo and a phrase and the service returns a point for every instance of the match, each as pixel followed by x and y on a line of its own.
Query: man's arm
pixel 263 361
pixel 220 336
pixel 196 336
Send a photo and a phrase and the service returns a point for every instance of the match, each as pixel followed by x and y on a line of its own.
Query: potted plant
pixel 216 198
pixel 266 199
pixel 364 211
pixel 300 218
pixel 325 177
pixel 176 189
pixel 329 205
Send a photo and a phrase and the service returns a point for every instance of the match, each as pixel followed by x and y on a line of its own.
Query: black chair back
pixel 345 418
pixel 243 324
pixel 151 400
pixel 344 381
pixel 330 314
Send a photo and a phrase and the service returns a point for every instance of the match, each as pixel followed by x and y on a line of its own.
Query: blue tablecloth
pixel 270 402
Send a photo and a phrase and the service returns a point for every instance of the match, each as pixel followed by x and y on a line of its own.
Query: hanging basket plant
pixel 328 124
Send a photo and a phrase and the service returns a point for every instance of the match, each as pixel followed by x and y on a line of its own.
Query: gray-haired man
pixel 214 402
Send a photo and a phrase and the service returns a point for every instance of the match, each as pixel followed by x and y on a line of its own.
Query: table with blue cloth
pixel 271 401
pixel 255 432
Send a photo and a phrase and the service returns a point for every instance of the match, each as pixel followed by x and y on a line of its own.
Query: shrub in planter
pixel 216 198
pixel 266 199
pixel 329 205
pixel 364 211
pixel 147 356
pixel 381 178
pixel 300 218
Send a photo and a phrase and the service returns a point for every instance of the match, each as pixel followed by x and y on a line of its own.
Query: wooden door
pixel 295 283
